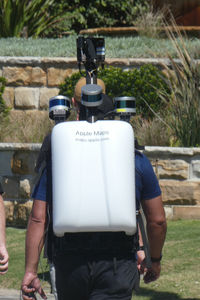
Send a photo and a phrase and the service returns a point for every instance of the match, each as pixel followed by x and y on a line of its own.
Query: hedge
pixel 141 83
pixel 3 108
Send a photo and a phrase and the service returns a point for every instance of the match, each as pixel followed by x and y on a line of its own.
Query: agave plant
pixel 32 17
pixel 12 17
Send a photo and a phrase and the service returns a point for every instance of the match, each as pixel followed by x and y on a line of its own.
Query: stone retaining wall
pixel 178 170
pixel 32 81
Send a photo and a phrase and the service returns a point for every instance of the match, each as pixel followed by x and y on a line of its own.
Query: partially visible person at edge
pixel 3 251
pixel 108 268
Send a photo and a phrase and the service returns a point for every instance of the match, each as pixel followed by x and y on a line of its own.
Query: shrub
pixel 3 108
pixel 141 83
pixel 146 82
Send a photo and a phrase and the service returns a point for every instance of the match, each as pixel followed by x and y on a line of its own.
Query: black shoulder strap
pixel 43 158
pixel 51 238
pixel 1 189
pixel 45 153
pixel 140 221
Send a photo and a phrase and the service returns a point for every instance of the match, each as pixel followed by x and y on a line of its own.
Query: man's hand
pixel 140 259
pixel 30 286
pixel 151 274
pixel 3 260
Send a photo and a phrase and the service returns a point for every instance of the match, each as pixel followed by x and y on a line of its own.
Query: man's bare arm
pixel 34 242
pixel 3 251
pixel 156 232
pixel 156 224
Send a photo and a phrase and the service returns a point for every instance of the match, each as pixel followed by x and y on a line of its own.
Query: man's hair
pixel 81 83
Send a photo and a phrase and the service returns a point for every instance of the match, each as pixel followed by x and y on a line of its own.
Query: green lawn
pixel 180 278
pixel 16 248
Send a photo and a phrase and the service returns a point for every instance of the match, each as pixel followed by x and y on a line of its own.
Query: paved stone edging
pixel 20 146
pixel 174 212
pixel 64 62
pixel 166 151
pixel 153 150
pixel 132 29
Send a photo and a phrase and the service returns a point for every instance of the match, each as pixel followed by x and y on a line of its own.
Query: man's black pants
pixel 103 277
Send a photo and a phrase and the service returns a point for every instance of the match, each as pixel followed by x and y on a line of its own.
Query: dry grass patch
pixel 151 132
pixel 25 127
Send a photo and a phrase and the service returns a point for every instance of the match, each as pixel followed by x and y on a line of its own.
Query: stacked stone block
pixel 178 171
pixel 32 81
pixel 18 177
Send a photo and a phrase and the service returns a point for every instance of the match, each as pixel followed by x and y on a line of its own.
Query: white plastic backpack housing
pixel 93 173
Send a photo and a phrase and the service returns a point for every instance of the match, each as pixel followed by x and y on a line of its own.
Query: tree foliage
pixel 53 18
pixel 105 13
